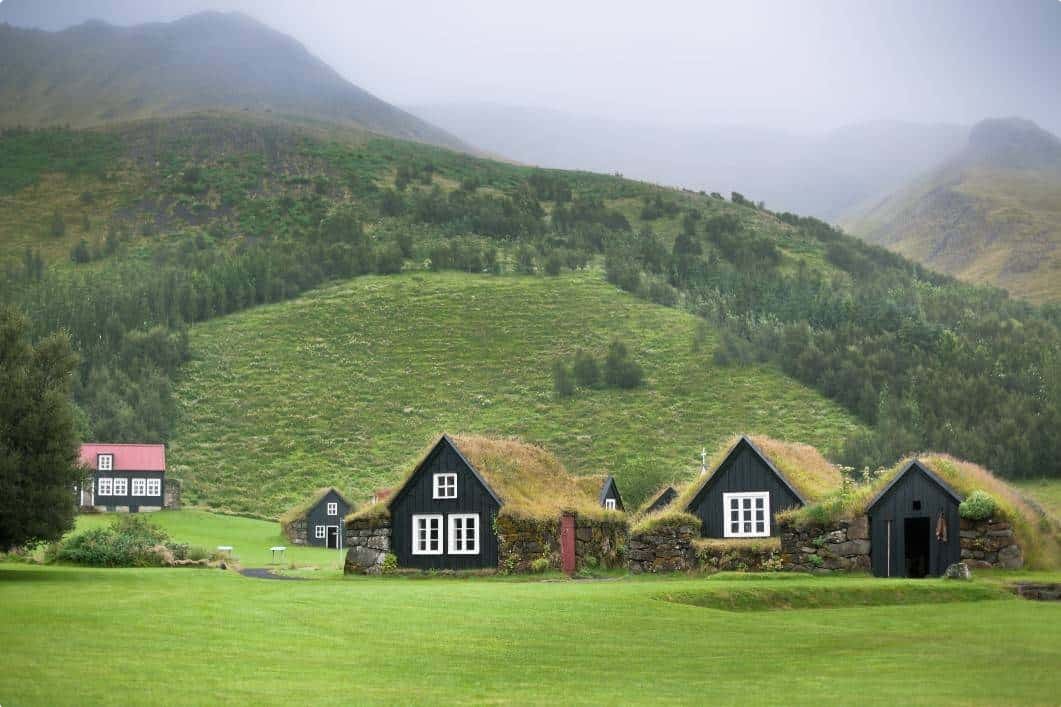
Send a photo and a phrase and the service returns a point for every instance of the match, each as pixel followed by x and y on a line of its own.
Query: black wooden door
pixel 333 536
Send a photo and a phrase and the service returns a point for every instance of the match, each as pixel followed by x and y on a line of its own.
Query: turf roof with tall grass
pixel 530 481
pixel 1038 534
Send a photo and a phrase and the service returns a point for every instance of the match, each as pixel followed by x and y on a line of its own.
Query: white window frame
pixel 609 503
pixel 120 482
pixel 105 462
pixel 154 487
pixel 447 482
pixel 430 519
pixel 454 541
pixel 320 532
pixel 752 496
pixel 333 509
pixel 104 486
pixel 139 487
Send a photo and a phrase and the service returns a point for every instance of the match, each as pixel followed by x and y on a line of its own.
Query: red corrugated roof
pixel 127 457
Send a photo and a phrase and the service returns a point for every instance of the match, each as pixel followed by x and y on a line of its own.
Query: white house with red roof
pixel 124 477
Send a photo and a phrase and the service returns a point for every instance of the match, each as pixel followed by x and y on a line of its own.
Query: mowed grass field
pixel 346 385
pixel 184 636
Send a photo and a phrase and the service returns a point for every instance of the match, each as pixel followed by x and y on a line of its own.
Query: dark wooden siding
pixel 612 492
pixel 662 501
pixel 896 505
pixel 318 515
pixel 134 502
pixel 742 471
pixel 415 498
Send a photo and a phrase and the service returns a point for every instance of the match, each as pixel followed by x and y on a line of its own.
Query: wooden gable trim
pixel 914 464
pixel 444 440
pixel 716 474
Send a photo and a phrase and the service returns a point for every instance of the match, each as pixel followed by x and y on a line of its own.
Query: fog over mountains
pixel 825 175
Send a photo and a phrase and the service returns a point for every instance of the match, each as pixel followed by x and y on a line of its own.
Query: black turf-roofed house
pixel 609 495
pixel 914 525
pixel 661 500
pixel 442 516
pixel 742 496
pixel 318 520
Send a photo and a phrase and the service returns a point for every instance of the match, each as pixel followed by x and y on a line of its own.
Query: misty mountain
pixel 824 175
pixel 992 213
pixel 97 73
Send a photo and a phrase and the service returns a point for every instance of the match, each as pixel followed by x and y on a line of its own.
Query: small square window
pixel 154 487
pixel 445 486
pixel 318 532
pixel 748 515
pixel 333 509
pixel 609 503
pixel 105 486
pixel 121 486
pixel 105 462
pixel 139 487
pixel 917 505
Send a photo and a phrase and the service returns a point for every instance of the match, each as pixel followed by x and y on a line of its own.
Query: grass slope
pixel 212 637
pixel 345 385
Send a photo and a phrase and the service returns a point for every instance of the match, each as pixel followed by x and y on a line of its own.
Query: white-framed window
pixel 427 535
pixel 445 486
pixel 464 534
pixel 139 487
pixel 104 486
pixel 154 487
pixel 746 515
pixel 609 503
pixel 121 486
pixel 319 532
pixel 105 462
pixel 333 509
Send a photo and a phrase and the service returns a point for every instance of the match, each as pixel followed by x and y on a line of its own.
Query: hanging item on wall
pixel 941 528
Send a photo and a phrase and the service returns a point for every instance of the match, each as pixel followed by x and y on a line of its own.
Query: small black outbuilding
pixel 318 520
pixel 914 525
pixel 609 495
pixel 661 500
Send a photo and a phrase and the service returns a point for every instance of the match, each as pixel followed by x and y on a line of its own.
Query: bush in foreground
pixel 130 541
pixel 979 505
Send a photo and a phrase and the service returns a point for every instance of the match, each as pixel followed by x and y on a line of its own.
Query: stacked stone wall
pixel 666 548
pixel 990 543
pixel 840 547
pixel 368 541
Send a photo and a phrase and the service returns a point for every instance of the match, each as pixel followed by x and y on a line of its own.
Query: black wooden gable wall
pixel 611 490
pixel 916 493
pixel 415 498
pixel 318 515
pixel 744 470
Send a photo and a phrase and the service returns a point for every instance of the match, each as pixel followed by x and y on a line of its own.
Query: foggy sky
pixel 804 66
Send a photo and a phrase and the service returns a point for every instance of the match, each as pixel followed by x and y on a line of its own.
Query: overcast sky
pixel 803 66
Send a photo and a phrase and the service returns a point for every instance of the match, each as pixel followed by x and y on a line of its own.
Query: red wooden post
pixel 567 543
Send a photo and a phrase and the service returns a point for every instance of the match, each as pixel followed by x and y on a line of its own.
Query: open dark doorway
pixel 333 537
pixel 916 538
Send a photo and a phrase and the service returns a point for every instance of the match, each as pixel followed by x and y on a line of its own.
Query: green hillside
pixel 992 215
pixel 344 386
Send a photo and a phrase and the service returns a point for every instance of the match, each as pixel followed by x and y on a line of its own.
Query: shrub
pixel 979 505
pixel 390 564
pixel 130 541
pixel 179 550
pixel 620 370
pixel 540 565
pixel 585 369
pixel 553 264
pixel 563 384
pixel 590 561
pixel 197 552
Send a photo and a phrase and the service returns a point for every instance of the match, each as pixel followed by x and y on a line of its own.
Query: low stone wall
pixel 667 548
pixel 369 542
pixel 738 555
pixel 1045 591
pixel 297 531
pixel 530 545
pixel 171 493
pixel 990 543
pixel 841 547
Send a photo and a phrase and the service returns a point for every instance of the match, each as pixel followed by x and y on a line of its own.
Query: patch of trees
pixel 617 369
pixel 656 207
pixel 549 186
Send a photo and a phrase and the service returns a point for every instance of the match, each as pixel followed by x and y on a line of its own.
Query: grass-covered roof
pixel 297 511
pixel 528 480
pixel 802 466
pixel 1038 534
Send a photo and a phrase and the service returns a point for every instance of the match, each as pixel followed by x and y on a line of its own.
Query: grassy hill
pixel 991 215
pixel 95 73
pixel 345 385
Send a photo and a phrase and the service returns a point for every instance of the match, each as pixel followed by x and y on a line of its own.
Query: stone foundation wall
pixel 738 556
pixel 171 493
pixel 369 542
pixel 840 547
pixel 601 543
pixel 990 543
pixel 297 531
pixel 668 548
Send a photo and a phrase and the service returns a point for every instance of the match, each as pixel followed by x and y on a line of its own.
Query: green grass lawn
pixel 250 538
pixel 89 636
pixel 345 386
pixel 1046 492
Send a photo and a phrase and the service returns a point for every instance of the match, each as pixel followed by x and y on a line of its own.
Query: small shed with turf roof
pixel 610 498
pixel 754 479
pixel 318 520
pixel 660 499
